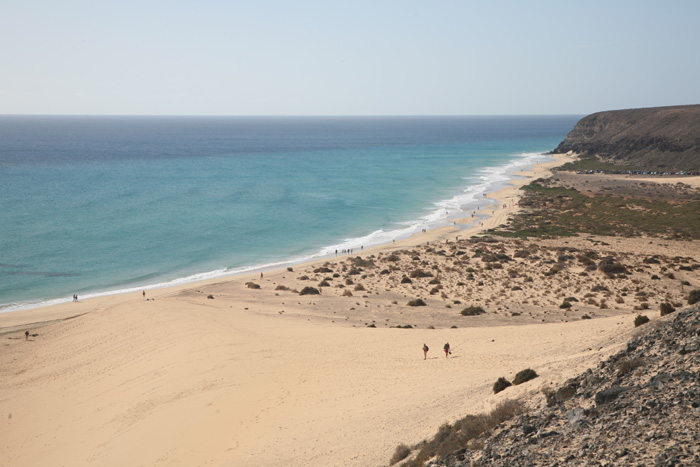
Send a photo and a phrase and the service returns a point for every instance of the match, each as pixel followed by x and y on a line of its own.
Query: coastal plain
pixel 246 371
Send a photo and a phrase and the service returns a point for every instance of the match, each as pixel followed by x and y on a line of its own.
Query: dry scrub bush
pixel 402 451
pixel 309 291
pixel 416 302
pixel 694 297
pixel 666 309
pixel 626 365
pixel 500 385
pixel 473 310
pixel 465 432
pixel 524 376
pixel 639 320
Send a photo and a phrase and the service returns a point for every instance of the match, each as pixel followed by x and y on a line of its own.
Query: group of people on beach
pixel 445 347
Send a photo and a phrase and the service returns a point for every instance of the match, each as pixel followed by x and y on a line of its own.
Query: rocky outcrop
pixel 640 407
pixel 665 138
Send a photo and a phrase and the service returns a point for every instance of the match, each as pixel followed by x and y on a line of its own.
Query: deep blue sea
pixel 94 205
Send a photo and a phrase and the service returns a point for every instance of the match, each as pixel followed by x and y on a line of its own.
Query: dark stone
pixel 610 394
pixel 658 381
pixel 527 429
pixel 577 417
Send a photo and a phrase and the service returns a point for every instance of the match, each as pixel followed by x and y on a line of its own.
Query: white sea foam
pixel 487 179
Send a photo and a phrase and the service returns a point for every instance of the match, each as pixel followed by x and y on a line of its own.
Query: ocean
pixel 91 205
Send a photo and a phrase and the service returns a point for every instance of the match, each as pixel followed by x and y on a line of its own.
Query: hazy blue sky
pixel 403 57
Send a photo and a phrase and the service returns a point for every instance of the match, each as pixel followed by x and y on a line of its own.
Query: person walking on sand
pixel 425 351
pixel 144 294
pixel 26 335
pixel 447 349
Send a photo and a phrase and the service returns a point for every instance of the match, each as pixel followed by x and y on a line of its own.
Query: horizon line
pixel 291 115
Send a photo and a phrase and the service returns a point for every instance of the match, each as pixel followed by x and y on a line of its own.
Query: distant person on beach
pixel 447 349
pixel 144 295
pixel 425 351
pixel 261 276
pixel 26 335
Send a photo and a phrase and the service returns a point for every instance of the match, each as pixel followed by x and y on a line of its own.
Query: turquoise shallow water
pixel 94 205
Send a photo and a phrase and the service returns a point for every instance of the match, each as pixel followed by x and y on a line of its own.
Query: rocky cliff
pixel 666 138
pixel 641 407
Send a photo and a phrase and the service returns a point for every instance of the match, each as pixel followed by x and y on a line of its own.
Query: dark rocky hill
pixel 641 407
pixel 666 138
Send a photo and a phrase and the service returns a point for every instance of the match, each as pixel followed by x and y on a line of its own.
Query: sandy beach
pixel 245 371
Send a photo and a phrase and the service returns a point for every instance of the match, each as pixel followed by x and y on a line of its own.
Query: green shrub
pixel 500 385
pixel 524 376
pixel 639 320
pixel 473 310
pixel 565 305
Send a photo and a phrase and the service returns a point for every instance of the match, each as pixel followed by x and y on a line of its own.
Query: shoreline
pixel 493 199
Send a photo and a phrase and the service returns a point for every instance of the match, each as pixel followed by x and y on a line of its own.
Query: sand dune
pixel 180 381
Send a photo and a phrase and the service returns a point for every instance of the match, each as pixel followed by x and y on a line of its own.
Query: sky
pixel 380 57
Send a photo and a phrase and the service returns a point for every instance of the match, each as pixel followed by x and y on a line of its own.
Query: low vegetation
pixel 694 297
pixel 666 308
pixel 416 302
pixel 309 291
pixel 466 432
pixel 555 211
pixel 500 385
pixel 639 320
pixel 585 162
pixel 473 310
pixel 524 376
